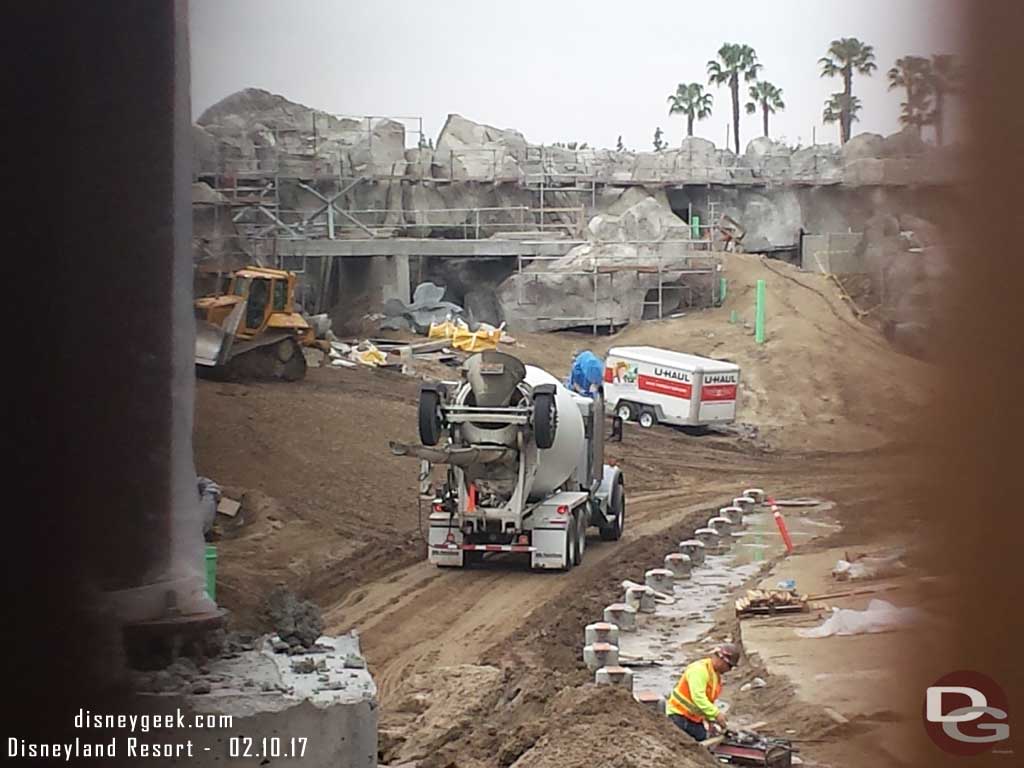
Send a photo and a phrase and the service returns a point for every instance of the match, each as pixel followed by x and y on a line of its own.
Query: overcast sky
pixel 553 69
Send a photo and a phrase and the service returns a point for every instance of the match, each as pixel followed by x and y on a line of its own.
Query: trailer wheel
pixel 545 419
pixel 617 506
pixel 570 545
pixel 647 419
pixel 625 411
pixel 430 416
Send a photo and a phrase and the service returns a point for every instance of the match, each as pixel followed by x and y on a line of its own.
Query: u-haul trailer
pixel 650 386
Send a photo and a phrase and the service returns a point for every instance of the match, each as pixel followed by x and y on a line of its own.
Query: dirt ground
pixel 481 667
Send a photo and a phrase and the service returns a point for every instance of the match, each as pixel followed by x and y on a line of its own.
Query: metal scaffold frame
pixel 257 212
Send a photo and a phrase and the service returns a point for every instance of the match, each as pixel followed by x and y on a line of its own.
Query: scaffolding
pixel 256 210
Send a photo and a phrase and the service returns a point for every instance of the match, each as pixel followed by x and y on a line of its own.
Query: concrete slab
pixel 320 707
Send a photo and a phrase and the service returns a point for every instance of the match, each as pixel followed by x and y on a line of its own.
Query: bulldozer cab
pixel 266 291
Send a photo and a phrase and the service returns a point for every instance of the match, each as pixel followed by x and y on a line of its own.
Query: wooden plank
pixel 854 592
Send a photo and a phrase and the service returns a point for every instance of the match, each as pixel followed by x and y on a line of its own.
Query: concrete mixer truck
pixel 525 470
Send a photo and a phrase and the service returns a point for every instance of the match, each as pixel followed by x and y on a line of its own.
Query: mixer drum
pixel 556 464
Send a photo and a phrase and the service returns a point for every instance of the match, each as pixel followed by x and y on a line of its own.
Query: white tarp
pixel 880 616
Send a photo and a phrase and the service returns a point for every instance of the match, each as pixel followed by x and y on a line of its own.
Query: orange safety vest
pixel 681 702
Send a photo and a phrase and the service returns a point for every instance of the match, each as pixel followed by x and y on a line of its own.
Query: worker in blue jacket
pixel 587 374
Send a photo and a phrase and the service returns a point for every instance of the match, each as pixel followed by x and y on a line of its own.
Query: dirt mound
pixel 822 381
pixel 593 725
pixel 322 499
pixel 469 716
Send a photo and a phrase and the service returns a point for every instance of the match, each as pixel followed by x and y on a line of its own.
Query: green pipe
pixel 723 290
pixel 759 313
pixel 695 227
pixel 732 317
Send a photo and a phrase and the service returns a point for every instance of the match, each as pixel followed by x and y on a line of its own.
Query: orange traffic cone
pixel 781 523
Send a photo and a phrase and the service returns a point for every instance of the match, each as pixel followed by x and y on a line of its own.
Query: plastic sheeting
pixel 880 616
pixel 868 568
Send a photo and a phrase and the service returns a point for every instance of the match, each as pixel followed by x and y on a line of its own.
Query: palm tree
pixel 690 100
pixel 768 98
pixel 842 110
pixel 946 78
pixel 733 61
pixel 913 73
pixel 846 56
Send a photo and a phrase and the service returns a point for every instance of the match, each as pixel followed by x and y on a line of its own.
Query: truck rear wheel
pixel 625 411
pixel 617 506
pixel 545 419
pixel 570 545
pixel 581 538
pixel 430 416
pixel 647 419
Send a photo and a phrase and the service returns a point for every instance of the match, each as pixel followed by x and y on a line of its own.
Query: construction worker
pixel 616 428
pixel 587 374
pixel 692 703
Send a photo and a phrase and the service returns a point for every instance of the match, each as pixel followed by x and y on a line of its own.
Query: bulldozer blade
pixel 213 342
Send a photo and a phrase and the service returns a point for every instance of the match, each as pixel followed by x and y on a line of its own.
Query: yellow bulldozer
pixel 249 328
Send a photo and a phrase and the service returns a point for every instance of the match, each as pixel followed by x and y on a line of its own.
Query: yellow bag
pixel 475 342
pixel 445 330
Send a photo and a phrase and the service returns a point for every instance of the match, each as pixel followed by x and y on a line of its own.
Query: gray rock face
pixel 468 150
pixel 905 143
pixel 861 146
pixel 908 266
pixel 255 130
pixel 770 221
pixel 768 158
pixel 819 162
pixel 561 293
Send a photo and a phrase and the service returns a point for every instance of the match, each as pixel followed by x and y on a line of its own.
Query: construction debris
pixel 368 354
pixel 757 682
pixel 298 623
pixel 770 601
pixel 228 507
pixel 859 568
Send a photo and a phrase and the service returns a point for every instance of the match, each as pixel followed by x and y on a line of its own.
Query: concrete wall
pixel 322 718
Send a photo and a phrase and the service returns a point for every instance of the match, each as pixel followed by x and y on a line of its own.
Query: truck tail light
pixel 437 506
pixel 562 509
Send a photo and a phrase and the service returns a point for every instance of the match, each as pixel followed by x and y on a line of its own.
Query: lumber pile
pixel 770 601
